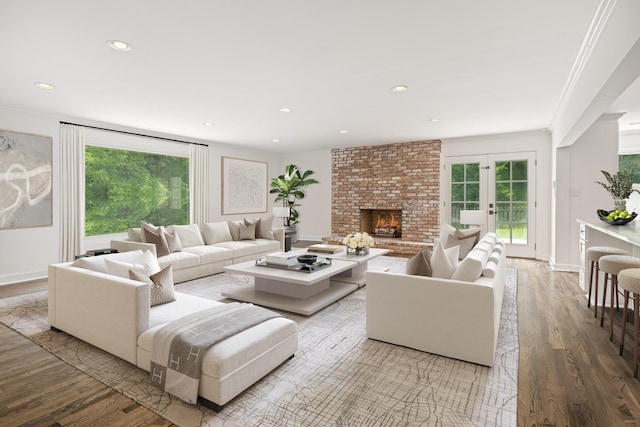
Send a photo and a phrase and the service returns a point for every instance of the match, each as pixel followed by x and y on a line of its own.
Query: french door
pixel 503 185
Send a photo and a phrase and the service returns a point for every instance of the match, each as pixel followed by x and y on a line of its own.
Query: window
pixel 123 187
pixel 630 162
pixel 465 190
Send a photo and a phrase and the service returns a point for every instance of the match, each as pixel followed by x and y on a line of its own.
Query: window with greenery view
pixel 512 201
pixel 465 190
pixel 124 187
pixel 630 162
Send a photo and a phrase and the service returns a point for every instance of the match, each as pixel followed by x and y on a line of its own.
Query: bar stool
pixel 594 254
pixel 629 282
pixel 611 265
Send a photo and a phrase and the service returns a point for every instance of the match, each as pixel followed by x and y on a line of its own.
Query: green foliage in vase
pixel 289 188
pixel 620 185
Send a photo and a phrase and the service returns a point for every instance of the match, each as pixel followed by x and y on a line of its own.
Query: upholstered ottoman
pixel 230 366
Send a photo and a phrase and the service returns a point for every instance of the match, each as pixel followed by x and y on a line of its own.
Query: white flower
pixel 359 240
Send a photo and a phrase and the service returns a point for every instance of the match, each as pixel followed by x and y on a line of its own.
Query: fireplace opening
pixel 381 222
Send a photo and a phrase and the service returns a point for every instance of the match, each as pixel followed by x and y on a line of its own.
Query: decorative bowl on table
pixel 307 259
pixel 610 218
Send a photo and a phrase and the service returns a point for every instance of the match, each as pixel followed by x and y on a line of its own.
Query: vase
pixel 358 251
pixel 620 204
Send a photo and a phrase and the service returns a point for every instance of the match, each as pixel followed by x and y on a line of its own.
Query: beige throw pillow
pixel 216 232
pixel 162 287
pixel 466 239
pixel 189 235
pixel 247 232
pixel 173 241
pixel 265 230
pixel 419 264
pixel 155 235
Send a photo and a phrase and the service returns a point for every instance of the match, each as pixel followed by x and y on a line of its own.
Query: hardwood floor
pixel 570 374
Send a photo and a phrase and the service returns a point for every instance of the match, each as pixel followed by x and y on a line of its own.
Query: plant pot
pixel 620 204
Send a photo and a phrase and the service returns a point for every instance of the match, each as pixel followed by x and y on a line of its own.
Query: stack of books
pixel 97 252
pixel 324 248
pixel 286 259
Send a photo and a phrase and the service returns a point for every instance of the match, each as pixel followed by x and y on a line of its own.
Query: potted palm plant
pixel 289 188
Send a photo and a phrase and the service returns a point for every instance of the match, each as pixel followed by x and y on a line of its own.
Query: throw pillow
pixel 216 232
pixel 256 227
pixel 162 289
pixel 173 241
pixel 156 236
pixel 234 229
pixel 419 264
pixel 135 234
pixel 445 231
pixel 466 239
pixel 444 261
pixel 146 263
pixel 97 263
pixel 489 269
pixel 266 228
pixel 189 235
pixel 247 232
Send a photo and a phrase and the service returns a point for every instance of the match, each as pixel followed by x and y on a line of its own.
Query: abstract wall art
pixel 25 180
pixel 244 186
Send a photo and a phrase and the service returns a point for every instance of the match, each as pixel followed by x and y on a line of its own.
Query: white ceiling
pixel 481 67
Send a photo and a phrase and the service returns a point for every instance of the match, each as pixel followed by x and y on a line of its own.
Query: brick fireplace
pixel 403 178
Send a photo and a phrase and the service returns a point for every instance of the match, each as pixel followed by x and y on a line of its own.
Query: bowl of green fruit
pixel 616 217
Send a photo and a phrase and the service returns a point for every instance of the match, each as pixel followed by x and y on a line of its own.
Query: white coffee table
pixel 294 291
pixel 357 274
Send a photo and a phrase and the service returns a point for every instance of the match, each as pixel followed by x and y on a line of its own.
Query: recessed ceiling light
pixel 434 120
pixel 275 140
pixel 285 110
pixel 400 88
pixel 208 124
pixel 343 131
pixel 43 85
pixel 119 45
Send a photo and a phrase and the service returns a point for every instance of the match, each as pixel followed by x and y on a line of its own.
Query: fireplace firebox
pixel 381 222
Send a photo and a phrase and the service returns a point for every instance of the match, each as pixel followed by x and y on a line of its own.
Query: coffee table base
pixel 306 306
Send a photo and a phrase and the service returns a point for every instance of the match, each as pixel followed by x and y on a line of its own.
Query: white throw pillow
pixel 234 229
pixel 189 235
pixel 145 264
pixel 444 261
pixel 135 234
pixel 489 269
pixel 97 263
pixel 265 230
pixel 470 268
pixel 216 232
pixel 445 231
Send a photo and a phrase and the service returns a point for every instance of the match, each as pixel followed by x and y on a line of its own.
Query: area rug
pixel 338 377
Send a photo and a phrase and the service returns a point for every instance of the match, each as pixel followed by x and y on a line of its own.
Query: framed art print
pixel 244 186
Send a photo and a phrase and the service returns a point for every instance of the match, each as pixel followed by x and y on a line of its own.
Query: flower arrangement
pixel 619 186
pixel 358 243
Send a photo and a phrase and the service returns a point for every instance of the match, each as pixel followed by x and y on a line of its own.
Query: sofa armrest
pixel 129 245
pixel 278 234
pixel 446 317
pixel 106 311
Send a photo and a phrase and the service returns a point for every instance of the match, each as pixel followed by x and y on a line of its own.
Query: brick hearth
pixel 404 176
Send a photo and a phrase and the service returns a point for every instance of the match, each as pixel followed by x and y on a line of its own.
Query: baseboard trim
pixel 14 278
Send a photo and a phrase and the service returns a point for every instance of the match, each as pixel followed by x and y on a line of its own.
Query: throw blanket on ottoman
pixel 179 346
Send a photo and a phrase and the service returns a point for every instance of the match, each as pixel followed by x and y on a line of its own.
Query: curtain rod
pixel 135 134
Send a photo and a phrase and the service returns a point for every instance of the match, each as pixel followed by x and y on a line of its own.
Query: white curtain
pixel 72 191
pixel 199 183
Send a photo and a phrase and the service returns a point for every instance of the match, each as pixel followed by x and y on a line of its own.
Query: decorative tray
pixel 307 268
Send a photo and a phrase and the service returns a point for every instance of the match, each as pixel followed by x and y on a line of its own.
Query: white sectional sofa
pixel 114 314
pixel 206 251
pixel 457 317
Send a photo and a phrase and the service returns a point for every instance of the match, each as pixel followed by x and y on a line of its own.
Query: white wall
pixel 536 141
pixel 577 194
pixel 315 208
pixel 25 253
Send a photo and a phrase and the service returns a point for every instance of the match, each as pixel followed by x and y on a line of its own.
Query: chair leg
pixel 614 292
pixel 604 297
pixel 636 321
pixel 624 320
pixel 592 264
pixel 595 299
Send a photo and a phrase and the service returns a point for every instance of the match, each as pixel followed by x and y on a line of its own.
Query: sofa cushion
pixel 145 264
pixel 466 239
pixel 135 234
pixel 264 229
pixel 155 235
pixel 97 263
pixel 248 231
pixel 234 229
pixel 162 289
pixel 179 260
pixel 173 241
pixel 210 253
pixel 189 235
pixel 490 268
pixel 444 261
pixel 244 248
pixel 419 264
pixel 216 232
pixel 470 268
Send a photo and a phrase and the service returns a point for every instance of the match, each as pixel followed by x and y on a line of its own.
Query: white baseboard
pixel 12 278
